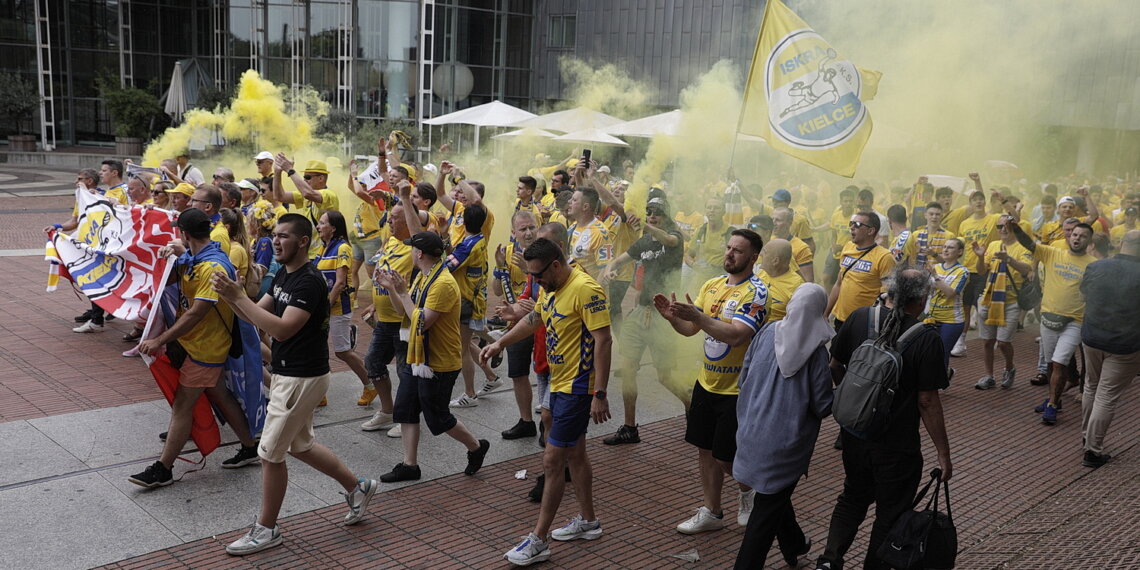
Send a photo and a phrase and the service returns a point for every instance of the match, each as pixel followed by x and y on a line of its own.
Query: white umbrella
pixel 493 114
pixel 175 98
pixel 648 127
pixel 571 120
pixel 527 132
pixel 591 136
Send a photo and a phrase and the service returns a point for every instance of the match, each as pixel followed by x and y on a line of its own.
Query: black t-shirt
pixel 305 354
pixel 922 370
pixel 661 264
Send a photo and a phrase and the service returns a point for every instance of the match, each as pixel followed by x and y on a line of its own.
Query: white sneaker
pixel 396 432
pixel 532 549
pixel 464 401
pixel 579 528
pixel 358 500
pixel 747 499
pixel 88 327
pixel 1007 378
pixel 132 353
pixel 380 420
pixel 257 539
pixel 959 347
pixel 488 385
pixel 703 521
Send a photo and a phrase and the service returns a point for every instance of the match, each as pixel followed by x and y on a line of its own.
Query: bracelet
pixel 58 226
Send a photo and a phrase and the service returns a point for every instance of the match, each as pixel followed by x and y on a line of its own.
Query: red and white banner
pixel 112 256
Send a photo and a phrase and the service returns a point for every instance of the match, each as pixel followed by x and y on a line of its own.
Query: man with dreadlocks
pixel 887 470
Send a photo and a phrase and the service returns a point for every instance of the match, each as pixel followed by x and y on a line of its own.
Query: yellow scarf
pixel 417 339
pixel 995 298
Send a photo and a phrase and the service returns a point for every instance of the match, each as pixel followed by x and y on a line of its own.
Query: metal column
pixel 297 79
pixel 425 67
pixel 345 49
pixel 126 46
pixel 221 35
pixel 44 75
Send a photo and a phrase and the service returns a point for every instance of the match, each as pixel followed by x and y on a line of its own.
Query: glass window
pixel 388 30
pixel 144 28
pixel 17 21
pixel 562 30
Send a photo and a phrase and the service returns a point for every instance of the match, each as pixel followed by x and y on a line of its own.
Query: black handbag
pixel 926 538
pixel 1029 295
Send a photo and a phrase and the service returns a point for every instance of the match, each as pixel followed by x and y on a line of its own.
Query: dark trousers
pixel 773 517
pixel 888 478
pixel 97 314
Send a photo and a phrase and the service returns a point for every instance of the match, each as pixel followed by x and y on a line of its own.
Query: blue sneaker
pixel 1049 415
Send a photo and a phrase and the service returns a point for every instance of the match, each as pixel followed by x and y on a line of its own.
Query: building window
pixel 562 31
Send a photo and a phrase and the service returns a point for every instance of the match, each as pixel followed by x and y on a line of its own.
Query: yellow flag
pixel 802 97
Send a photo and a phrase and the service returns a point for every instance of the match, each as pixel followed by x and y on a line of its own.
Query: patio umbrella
pixel 591 136
pixel 176 98
pixel 527 132
pixel 493 114
pixel 648 127
pixel 570 120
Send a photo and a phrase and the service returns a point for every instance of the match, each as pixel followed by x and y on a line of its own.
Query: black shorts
pixel 429 396
pixel 466 309
pixel 385 346
pixel 973 289
pixel 518 357
pixel 712 423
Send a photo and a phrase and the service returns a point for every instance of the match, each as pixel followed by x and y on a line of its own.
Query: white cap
pixel 1065 199
pixel 264 155
pixel 429 167
pixel 605 169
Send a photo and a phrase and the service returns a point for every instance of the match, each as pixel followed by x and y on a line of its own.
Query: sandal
pixel 1040 379
pixel 133 336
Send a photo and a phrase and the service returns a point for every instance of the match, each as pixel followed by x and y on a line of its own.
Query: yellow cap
pixel 183 188
pixel 316 167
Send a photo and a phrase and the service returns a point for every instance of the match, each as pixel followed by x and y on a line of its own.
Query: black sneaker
pixel 1094 459
pixel 401 472
pixel 521 430
pixel 541 435
pixel 475 458
pixel 625 434
pixel 86 316
pixel 245 456
pixel 795 562
pixel 109 317
pixel 162 436
pixel 157 475
pixel 535 494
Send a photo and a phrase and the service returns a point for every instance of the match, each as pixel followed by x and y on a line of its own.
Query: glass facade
pixel 363 56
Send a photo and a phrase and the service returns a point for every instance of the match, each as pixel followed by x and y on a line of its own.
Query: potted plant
pixel 132 110
pixel 19 100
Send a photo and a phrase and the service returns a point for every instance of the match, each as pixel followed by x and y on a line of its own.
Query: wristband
pixel 58 226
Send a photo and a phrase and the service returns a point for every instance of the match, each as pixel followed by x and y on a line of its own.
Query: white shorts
pixel 1059 346
pixel 342 333
pixel 1002 333
pixel 289 415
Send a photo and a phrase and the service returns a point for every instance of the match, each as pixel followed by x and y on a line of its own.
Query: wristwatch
pixel 290 172
pixel 600 394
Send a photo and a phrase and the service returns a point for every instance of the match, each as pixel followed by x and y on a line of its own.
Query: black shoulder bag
pixel 926 538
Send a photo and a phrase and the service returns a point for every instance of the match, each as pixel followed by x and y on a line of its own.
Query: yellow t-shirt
pixel 328 261
pixel 942 308
pixel 570 314
pixel 864 280
pixel 591 246
pixel 1062 284
pixel 556 216
pixel 455 228
pixel 743 302
pixel 533 207
pixel 623 237
pixel 1116 234
pixel 780 291
pixel 468 263
pixel 689 223
pixel 707 247
pixel 954 218
pixel 396 256
pixel 934 242
pixel 1051 232
pixel 118 192
pixel 840 224
pixel 239 256
pixel 368 221
pixel 801 253
pixel 801 225
pixel 313 211
pixel 1015 251
pixel 444 349
pixel 973 230
pixel 208 343
pixel 220 234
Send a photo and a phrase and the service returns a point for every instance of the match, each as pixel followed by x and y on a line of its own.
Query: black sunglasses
pixel 537 274
pixel 855 224
pixel 308 177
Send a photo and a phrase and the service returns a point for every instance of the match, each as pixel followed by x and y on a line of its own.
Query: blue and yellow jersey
pixel 455 228
pixel 591 246
pixel 396 256
pixel 208 343
pixel 923 238
pixel 744 302
pixel 468 263
pixel 336 255
pixel 517 276
pixel 570 314
pixel 941 308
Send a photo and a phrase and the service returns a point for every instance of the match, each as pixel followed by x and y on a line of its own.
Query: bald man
pixel 776 272
pixel 782 219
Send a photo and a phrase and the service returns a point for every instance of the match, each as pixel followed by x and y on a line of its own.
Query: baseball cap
pixel 243 183
pixel 1131 211
pixel 264 155
pixel 1068 199
pixel 316 167
pixel 427 242
pixel 605 169
pixel 658 204
pixel 194 222
pixel 782 195
pixel 183 188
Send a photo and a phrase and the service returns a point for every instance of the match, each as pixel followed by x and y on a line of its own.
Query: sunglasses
pixel 1001 226
pixel 157 192
pixel 654 213
pixel 308 177
pixel 537 274
pixel 853 224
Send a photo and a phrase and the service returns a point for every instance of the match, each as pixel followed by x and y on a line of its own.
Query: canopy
pixel 660 124
pixel 591 136
pixel 493 114
pixel 570 120
pixel 527 132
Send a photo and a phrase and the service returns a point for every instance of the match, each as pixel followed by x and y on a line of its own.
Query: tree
pixel 19 100
pixel 132 109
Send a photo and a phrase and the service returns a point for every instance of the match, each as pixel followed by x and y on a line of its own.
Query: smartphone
pixel 586 155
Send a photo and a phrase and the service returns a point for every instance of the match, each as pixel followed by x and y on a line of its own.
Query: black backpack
pixel 863 399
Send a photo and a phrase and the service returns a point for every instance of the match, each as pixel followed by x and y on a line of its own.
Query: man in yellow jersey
pixel 209 199
pixel 202 328
pixel 951 216
pixel 977 227
pixel 865 267
pixel 801 225
pixel 433 358
pixel 838 225
pixel 366 236
pixel 312 197
pixel 464 193
pixel 782 222
pixel 927 241
pixel 468 263
pixel 1004 256
pixel 777 275
pixel 591 245
pixel 572 306
pixel 729 309
pixel 1062 305
pixel 622 235
pixel 386 344
pixel 1048 221
pixel 524 194
pixel 705 251
pixel 509 282
pixel 1127 224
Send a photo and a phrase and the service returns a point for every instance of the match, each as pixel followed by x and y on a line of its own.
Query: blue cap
pixel 782 195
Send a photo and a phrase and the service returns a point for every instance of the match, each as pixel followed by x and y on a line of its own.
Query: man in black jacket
pixel 1112 340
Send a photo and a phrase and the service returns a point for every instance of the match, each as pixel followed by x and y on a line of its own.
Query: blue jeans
pixel 949 333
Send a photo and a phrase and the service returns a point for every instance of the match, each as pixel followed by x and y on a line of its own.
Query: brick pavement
pixel 1021 500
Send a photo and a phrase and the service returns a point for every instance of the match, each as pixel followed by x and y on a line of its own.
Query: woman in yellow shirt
pixel 333 262
pixel 945 305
